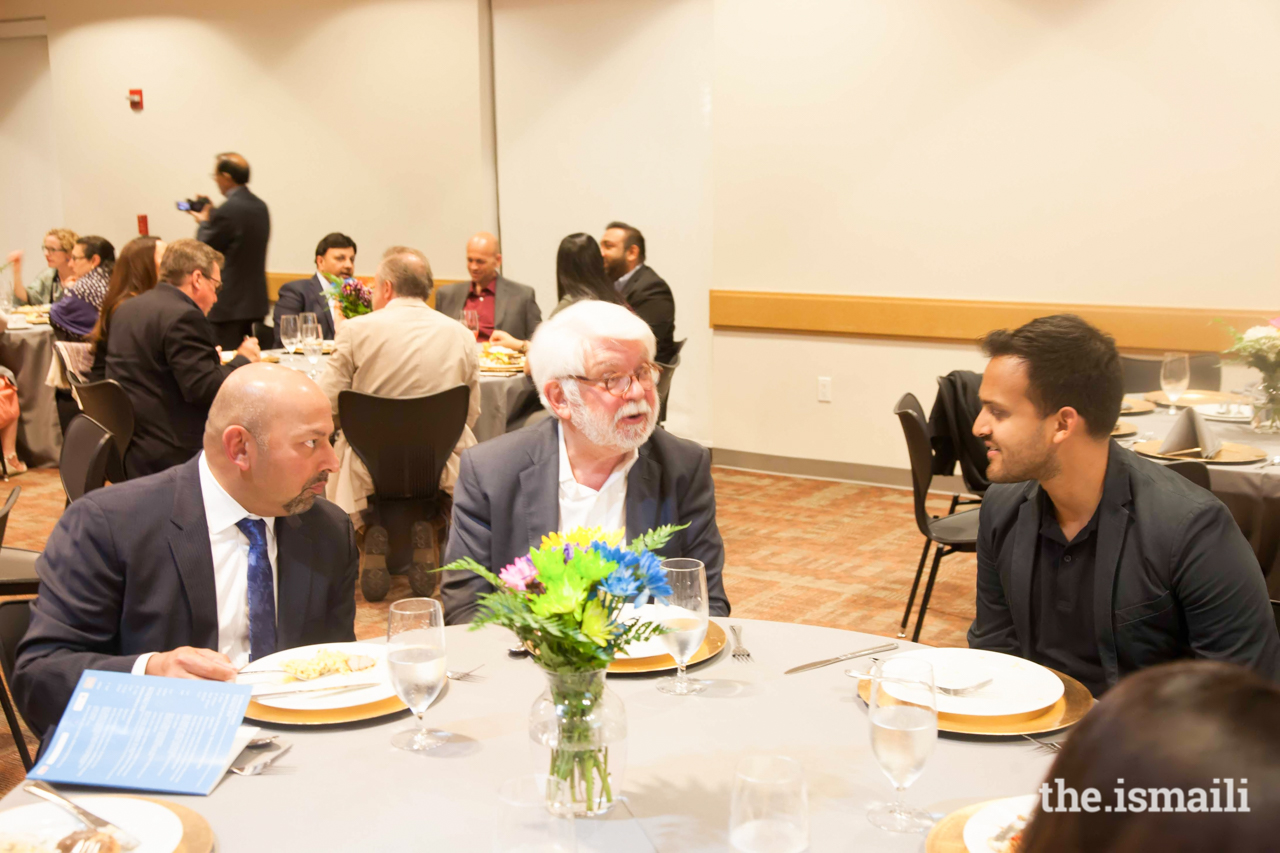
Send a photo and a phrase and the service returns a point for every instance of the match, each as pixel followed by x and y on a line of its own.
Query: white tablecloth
pixel 347 788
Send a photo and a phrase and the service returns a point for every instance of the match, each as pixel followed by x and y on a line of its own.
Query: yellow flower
pixel 582 537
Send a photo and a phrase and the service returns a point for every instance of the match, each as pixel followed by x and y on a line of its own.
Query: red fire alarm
pixel 135 99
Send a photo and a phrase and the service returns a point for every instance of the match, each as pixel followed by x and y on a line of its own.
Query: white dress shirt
pixel 334 312
pixel 582 506
pixel 230 549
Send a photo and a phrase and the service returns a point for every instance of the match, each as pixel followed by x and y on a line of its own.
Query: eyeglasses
pixel 217 282
pixel 49 251
pixel 618 386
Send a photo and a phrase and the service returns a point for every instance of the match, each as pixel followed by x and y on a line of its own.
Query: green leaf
pixel 656 538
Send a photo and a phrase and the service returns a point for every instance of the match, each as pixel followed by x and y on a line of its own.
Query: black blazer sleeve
pixel 342 606
pixel 219 232
pixel 702 536
pixel 992 629
pixel 532 317
pixel 191 353
pixel 290 301
pixel 469 534
pixel 654 304
pixel 75 620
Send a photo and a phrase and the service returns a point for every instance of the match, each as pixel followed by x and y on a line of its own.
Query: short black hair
pixel 633 238
pixel 235 169
pixel 1069 363
pixel 336 240
pixel 100 246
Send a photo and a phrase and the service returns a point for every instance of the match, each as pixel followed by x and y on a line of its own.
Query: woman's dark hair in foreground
pixel 580 270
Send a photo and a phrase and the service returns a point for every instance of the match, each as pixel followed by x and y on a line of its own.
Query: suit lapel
pixel 540 489
pixel 642 494
pixel 1113 523
pixel 501 304
pixel 189 543
pixel 1026 535
pixel 293 581
pixel 320 306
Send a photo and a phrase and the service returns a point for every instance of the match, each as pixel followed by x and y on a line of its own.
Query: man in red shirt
pixel 498 303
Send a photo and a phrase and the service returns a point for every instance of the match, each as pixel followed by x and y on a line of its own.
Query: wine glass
pixel 1175 375
pixel 416 661
pixel 289 334
pixel 769 812
pixel 684 614
pixel 471 319
pixel 904 729
pixel 535 813
pixel 312 340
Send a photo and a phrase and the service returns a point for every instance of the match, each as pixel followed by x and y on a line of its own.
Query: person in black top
pixel 162 353
pixel 239 229
pixel 335 255
pixel 136 271
pixel 643 289
pixel 1092 560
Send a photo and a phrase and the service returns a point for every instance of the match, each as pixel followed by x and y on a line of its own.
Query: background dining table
pixel 28 353
pixel 346 787
pixel 1250 492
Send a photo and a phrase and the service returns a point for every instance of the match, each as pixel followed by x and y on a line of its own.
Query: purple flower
pixel 519 574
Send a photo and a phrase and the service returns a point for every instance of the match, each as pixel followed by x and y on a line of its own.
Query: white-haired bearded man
pixel 600 461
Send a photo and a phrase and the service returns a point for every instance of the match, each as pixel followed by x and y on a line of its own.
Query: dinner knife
pixel 88 818
pixel 887 647
pixel 332 688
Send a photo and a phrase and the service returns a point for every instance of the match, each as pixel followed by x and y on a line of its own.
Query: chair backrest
pixel 1142 372
pixel 4 510
pixel 1275 612
pixel 916 430
pixel 15 616
pixel 405 443
pixel 87 451
pixel 75 359
pixel 664 381
pixel 108 404
pixel 959 389
pixel 1196 472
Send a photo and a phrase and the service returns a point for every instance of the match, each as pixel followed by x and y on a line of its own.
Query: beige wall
pixel 1119 152
pixel 357 117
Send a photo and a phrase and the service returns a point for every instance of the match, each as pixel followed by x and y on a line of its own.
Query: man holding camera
pixel 239 229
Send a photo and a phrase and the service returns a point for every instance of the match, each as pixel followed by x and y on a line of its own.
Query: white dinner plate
pixel 987 823
pixel 649 613
pixel 17 321
pixel 159 829
pixel 1236 413
pixel 272 682
pixel 1017 686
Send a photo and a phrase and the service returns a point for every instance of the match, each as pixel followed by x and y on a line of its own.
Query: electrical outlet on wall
pixel 824 389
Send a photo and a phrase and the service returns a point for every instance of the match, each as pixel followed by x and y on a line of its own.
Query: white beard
pixel 602 431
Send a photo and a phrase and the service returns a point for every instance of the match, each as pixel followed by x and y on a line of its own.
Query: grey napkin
pixel 1191 430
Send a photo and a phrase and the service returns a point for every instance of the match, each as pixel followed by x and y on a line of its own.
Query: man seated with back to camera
pixel 1091 559
pixel 601 461
pixel 195 571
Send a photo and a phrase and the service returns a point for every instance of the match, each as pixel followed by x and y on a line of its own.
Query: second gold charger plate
pixel 1067 711
pixel 1194 398
pixel 1136 407
pixel 711 646
pixel 1123 429
pixel 197 835
pixel 1229 454
pixel 947 835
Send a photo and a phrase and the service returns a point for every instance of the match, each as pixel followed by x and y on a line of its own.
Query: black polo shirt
pixel 1062 618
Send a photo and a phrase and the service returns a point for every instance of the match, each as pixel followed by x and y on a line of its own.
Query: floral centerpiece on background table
pixel 351 294
pixel 565 602
pixel 1259 348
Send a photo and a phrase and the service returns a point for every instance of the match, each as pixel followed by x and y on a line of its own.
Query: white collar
pixel 626 278
pixel 221 511
pixel 566 470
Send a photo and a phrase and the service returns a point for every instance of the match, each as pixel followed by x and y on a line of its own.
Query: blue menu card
pixel 146 733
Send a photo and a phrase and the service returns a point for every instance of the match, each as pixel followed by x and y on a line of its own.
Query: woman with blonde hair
pixel 48 285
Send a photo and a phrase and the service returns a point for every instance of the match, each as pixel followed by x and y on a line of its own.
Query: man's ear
pixel 236 442
pixel 557 400
pixel 1068 423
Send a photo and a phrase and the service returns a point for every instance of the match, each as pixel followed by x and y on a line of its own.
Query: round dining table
pixel 345 787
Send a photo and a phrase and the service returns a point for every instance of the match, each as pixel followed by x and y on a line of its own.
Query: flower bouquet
pixel 1259 348
pixel 351 294
pixel 564 600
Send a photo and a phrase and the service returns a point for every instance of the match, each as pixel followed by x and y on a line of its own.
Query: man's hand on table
pixel 500 338
pixel 250 349
pixel 190 662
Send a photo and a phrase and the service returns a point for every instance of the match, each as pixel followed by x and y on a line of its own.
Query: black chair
pixel 951 432
pixel 1196 472
pixel 265 334
pixel 951 534
pixel 664 381
pixel 88 451
pixel 4 510
pixel 1142 372
pixel 405 443
pixel 1275 611
pixel 108 404
pixel 14 618
pixel 18 572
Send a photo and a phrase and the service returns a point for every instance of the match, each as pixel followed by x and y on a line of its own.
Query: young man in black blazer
pixel 193 572
pixel 162 353
pixel 643 289
pixel 335 255
pixel 239 228
pixel 1091 559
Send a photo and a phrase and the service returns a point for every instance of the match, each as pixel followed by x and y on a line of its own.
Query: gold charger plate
pixel 259 713
pixel 711 646
pixel 1194 398
pixel 947 835
pixel 1229 454
pixel 1075 702
pixel 1123 429
pixel 197 835
pixel 1137 407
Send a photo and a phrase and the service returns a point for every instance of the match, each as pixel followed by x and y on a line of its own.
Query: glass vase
pixel 579 727
pixel 1266 407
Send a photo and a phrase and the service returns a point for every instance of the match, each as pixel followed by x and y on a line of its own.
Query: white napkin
pixel 1191 430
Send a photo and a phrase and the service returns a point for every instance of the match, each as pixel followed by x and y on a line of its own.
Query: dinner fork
pixel 1045 745
pixel 740 651
pixel 469 675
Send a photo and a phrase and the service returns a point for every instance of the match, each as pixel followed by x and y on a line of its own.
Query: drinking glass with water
pixel 904 729
pixel 684 615
pixel 769 812
pixel 416 661
pixel 312 340
pixel 1175 376
pixel 289 334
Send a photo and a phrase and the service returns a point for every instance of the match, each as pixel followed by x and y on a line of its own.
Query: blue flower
pixel 622 583
pixel 621 556
pixel 653 576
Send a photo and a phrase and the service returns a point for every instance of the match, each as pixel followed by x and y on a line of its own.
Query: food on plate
pixel 89 839
pixel 12 844
pixel 1009 839
pixel 500 358
pixel 326 662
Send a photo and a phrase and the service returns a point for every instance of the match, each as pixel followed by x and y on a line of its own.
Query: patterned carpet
pixel 816 552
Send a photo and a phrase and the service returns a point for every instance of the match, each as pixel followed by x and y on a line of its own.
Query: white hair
pixel 560 345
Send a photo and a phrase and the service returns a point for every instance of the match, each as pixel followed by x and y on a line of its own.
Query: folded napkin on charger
pixel 1191 433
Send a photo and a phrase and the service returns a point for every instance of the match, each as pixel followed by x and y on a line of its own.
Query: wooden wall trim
pixel 959 320
pixel 276 280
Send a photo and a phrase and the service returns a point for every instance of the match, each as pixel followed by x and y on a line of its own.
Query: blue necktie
pixel 262 590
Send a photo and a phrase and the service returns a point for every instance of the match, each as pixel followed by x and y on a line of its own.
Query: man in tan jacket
pixel 404 348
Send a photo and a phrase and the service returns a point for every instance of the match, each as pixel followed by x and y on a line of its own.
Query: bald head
pixel 484 258
pixel 231 170
pixel 254 396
